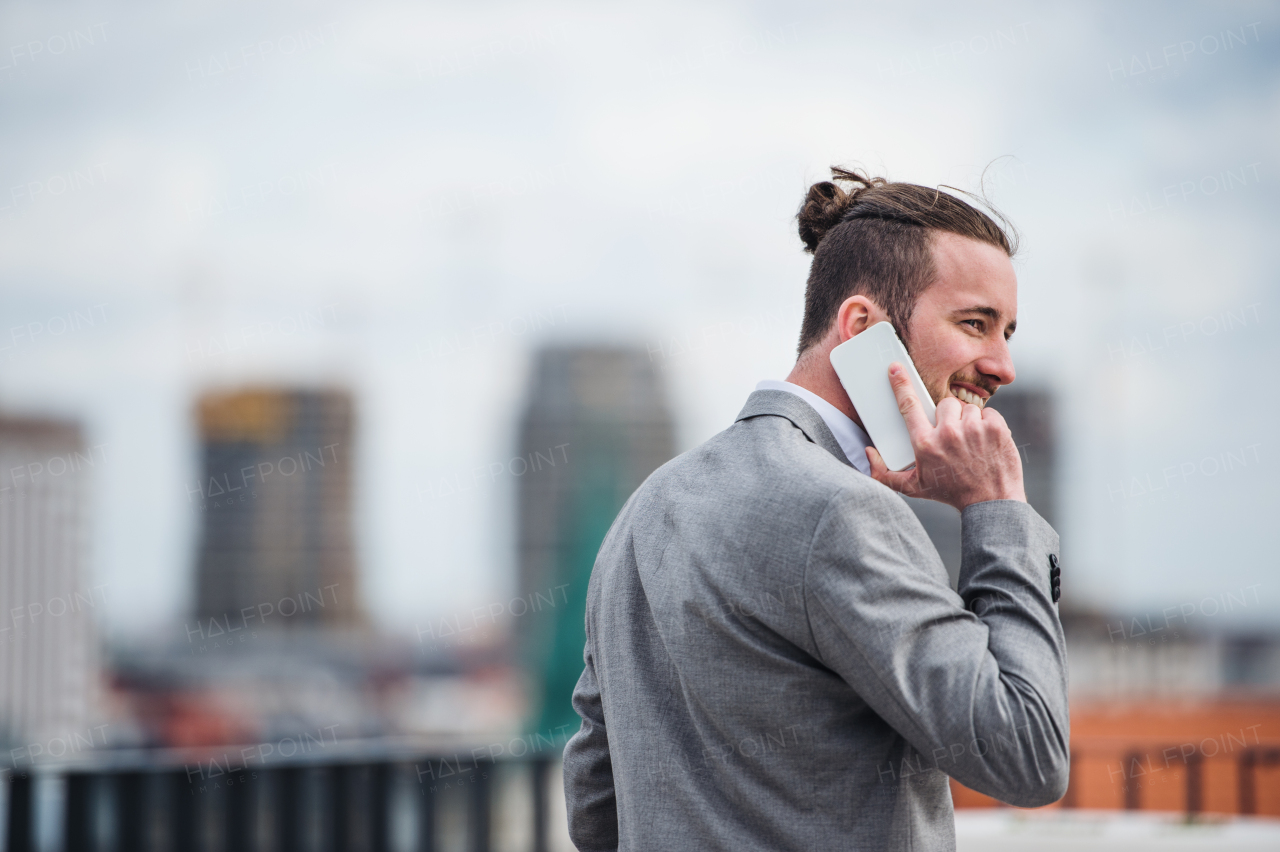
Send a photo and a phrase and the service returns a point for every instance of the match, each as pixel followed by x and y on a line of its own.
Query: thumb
pixel 878 467
pixel 901 481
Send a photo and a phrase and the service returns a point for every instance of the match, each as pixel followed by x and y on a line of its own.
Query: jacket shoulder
pixel 768 459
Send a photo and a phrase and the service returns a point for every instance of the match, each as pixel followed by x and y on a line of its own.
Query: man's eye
pixel 977 323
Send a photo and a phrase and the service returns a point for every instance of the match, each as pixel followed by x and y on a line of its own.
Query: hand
pixel 969 457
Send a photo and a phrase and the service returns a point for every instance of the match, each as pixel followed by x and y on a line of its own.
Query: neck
pixel 814 373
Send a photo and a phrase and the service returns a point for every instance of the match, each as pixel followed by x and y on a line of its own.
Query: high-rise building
pixel 49 668
pixel 276 545
pixel 1029 414
pixel 595 426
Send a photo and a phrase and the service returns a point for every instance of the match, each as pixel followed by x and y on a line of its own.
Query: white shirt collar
pixel 848 435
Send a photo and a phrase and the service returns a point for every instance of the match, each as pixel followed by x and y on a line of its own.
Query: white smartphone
pixel 862 363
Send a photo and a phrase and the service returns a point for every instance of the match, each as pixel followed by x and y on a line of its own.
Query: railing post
pixel 481 806
pixel 379 811
pixel 288 806
pixel 1131 801
pixel 339 808
pixel 238 833
pixel 131 811
pixel 78 827
pixel 1195 783
pixel 184 830
pixel 20 827
pixel 540 767
pixel 426 813
pixel 1248 798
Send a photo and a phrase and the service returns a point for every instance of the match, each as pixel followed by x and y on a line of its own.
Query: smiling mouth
pixel 966 395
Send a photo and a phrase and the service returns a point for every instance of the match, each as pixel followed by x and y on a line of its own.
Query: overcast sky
pixel 407 199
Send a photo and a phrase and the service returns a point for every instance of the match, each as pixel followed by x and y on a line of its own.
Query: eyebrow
pixel 989 312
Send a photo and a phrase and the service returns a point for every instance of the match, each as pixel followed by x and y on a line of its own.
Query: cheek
pixel 935 378
pixel 954 358
pixel 938 356
pixel 937 365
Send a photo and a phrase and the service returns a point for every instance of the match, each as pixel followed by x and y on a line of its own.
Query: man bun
pixel 826 203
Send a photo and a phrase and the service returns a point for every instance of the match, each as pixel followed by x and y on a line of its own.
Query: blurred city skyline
pixel 407 202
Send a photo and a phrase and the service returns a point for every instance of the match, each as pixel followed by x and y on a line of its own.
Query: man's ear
pixel 856 315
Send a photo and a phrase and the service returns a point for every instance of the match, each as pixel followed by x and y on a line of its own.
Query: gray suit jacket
pixel 775 659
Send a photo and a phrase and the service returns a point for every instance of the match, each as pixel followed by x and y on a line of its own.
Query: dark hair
pixel 873 238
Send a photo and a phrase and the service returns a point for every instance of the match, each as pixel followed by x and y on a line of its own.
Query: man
pixel 774 657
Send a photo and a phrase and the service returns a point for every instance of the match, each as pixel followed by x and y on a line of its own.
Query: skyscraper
pixel 1029 414
pixel 48 641
pixel 595 426
pixel 276 546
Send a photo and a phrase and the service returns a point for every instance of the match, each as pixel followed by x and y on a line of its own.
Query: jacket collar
pixel 776 403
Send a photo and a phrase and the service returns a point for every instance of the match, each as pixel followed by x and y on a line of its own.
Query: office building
pixel 49 666
pixel 595 426
pixel 274 498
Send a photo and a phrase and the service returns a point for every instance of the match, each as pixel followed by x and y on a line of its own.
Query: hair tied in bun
pixel 827 202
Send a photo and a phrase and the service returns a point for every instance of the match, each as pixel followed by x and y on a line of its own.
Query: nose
pixel 996 363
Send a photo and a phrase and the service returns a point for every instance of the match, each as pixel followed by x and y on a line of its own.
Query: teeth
pixel 967 396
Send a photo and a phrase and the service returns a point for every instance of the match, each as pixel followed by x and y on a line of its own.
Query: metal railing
pixel 1135 763
pixel 349 799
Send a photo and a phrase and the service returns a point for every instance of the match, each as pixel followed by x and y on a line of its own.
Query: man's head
pixel 934 266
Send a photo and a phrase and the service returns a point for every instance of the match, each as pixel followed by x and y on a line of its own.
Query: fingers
pixel 991 415
pixel 908 403
pixel 993 419
pixel 949 409
pixel 903 482
pixel 970 413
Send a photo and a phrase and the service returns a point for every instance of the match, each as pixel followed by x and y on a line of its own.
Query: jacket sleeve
pixel 976 682
pixel 588 769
